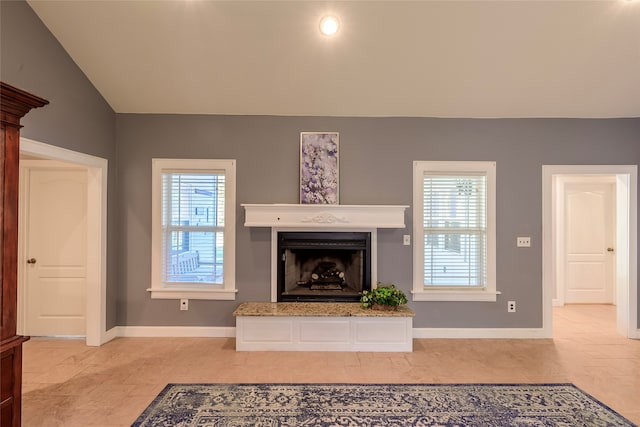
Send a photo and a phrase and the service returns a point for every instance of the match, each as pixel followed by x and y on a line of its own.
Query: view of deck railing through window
pixel 454 231
pixel 193 206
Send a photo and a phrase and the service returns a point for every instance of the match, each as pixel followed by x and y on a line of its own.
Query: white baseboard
pixel 230 332
pixel 175 331
pixel 635 334
pixel 110 335
pixel 474 333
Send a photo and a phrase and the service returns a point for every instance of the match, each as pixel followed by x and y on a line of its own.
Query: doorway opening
pixel 96 220
pixel 560 185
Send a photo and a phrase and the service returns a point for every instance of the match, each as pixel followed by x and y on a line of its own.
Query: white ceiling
pixel 390 58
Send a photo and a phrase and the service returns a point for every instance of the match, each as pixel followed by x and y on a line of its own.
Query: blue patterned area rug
pixel 377 405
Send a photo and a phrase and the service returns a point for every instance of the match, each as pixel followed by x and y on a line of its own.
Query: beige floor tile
pixel 69 384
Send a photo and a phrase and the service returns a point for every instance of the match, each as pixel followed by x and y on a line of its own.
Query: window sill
pixel 447 295
pixel 186 293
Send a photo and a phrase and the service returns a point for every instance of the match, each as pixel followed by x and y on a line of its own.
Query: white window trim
pixel 211 292
pixel 419 292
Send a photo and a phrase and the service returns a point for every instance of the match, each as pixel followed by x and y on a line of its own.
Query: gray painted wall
pixel 77 118
pixel 376 156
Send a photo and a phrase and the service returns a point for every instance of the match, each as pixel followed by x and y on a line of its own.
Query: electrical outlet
pixel 511 306
pixel 523 242
pixel 406 239
pixel 184 304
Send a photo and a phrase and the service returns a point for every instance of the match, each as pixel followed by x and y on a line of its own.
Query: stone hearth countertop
pixel 316 309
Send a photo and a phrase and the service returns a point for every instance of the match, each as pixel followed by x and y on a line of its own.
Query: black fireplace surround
pixel 323 266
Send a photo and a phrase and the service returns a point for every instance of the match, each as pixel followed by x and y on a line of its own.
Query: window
pixel 193 241
pixel 454 231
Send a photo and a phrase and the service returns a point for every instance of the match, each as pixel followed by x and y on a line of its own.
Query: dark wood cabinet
pixel 14 103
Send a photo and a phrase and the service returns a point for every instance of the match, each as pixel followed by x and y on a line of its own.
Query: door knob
pixel 31 261
pixel 609 249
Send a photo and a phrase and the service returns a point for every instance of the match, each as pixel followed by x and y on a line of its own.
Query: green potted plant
pixel 383 297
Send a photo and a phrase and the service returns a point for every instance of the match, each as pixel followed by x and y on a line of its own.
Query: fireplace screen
pixel 323 266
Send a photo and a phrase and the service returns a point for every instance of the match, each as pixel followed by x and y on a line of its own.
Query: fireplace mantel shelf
pixel 324 216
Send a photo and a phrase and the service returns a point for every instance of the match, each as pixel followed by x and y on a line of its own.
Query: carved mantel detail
pixel 325 218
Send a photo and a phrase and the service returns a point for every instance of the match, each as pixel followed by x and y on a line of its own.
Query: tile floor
pixel 69 384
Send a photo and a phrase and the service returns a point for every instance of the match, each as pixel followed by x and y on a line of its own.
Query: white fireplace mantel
pixel 324 216
pixel 289 217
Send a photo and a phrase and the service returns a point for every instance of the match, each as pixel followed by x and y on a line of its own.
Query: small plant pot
pixel 381 307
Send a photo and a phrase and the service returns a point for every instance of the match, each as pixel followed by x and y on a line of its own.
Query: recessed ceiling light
pixel 329 25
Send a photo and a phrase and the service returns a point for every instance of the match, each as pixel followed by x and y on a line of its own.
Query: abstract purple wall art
pixel 319 168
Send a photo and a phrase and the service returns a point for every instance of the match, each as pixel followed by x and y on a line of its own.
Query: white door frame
pixel 626 240
pixel 96 233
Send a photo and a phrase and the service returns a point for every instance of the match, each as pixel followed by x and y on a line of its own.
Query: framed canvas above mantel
pixel 319 168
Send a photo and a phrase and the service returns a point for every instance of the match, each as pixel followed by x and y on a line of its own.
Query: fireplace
pixel 323 266
pixel 328 232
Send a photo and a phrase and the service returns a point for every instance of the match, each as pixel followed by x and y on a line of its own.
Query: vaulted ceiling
pixel 389 58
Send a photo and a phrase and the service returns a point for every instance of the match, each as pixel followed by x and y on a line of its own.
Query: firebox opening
pixel 323 266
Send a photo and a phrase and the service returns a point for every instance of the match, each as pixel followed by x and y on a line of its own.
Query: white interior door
pixel 589 243
pixel 56 270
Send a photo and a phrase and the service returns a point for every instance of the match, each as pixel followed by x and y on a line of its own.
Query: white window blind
pixel 455 230
pixel 193 220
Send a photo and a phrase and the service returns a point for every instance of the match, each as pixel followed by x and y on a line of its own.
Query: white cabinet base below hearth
pixel 300 333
